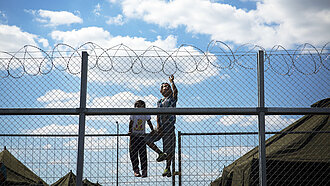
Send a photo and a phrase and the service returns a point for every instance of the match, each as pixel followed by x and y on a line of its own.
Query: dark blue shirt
pixel 167 121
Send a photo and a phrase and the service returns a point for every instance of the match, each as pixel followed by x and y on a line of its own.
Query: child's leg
pixel 143 159
pixel 169 149
pixel 133 152
pixel 155 148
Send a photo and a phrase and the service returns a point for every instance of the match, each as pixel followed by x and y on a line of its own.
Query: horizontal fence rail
pixel 176 111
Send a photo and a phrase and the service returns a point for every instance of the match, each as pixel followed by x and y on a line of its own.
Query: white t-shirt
pixel 139 123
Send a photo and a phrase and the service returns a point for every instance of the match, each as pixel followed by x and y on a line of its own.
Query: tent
pixel 70 180
pixel 301 158
pixel 86 182
pixel 13 172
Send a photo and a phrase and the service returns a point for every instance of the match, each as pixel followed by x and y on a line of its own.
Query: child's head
pixel 165 89
pixel 139 104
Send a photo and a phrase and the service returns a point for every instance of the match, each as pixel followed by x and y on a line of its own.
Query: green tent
pixel 67 180
pixel 86 182
pixel 302 158
pixel 70 180
pixel 13 172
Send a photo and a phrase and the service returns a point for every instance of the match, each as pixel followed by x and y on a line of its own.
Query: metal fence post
pixel 179 157
pixel 261 120
pixel 82 118
pixel 117 164
pixel 173 169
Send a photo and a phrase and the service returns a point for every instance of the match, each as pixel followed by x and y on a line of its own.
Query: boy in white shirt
pixel 137 144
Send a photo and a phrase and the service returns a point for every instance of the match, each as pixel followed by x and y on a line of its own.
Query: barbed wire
pixel 32 60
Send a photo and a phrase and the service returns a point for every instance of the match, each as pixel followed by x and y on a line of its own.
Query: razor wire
pixel 32 60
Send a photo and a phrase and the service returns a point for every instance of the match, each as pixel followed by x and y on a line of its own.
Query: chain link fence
pixel 217 128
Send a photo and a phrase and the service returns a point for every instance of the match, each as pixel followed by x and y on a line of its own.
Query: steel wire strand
pixel 270 55
pixel 45 58
pixel 154 49
pixel 251 48
pixel 59 52
pixel 303 46
pixel 5 66
pixel 327 58
pixel 91 51
pixel 211 45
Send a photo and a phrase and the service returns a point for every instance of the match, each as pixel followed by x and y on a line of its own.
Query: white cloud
pixel 60 99
pixel 238 120
pixel 8 34
pixel 232 151
pixel 273 22
pixel 118 20
pixel 97 9
pixel 224 76
pixel 123 100
pixel 21 39
pixel 112 1
pixel 58 95
pixel 65 129
pixel 103 38
pixel 65 161
pixel 3 18
pixel 93 143
pixel 134 53
pixel 197 118
pixel 271 122
pixel 55 18
pixel 44 42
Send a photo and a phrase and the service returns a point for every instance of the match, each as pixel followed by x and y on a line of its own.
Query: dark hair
pixel 139 102
pixel 164 84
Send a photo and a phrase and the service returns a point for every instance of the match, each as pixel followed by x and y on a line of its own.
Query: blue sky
pixel 263 22
pixel 140 24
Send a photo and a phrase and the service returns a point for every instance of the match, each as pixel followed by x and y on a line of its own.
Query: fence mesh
pixel 210 145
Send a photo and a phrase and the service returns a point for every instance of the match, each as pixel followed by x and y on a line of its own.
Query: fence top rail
pixel 180 134
pixel 155 111
pixel 250 133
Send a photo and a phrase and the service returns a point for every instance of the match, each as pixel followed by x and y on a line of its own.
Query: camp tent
pixel 86 182
pixel 13 172
pixel 70 180
pixel 301 158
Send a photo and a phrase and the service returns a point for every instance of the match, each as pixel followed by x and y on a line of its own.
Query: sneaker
pixel 167 173
pixel 137 174
pixel 144 174
pixel 161 157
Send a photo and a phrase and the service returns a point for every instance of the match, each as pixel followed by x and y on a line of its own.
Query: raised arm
pixel 175 90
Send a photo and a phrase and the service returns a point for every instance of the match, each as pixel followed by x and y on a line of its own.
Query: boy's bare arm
pixel 130 126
